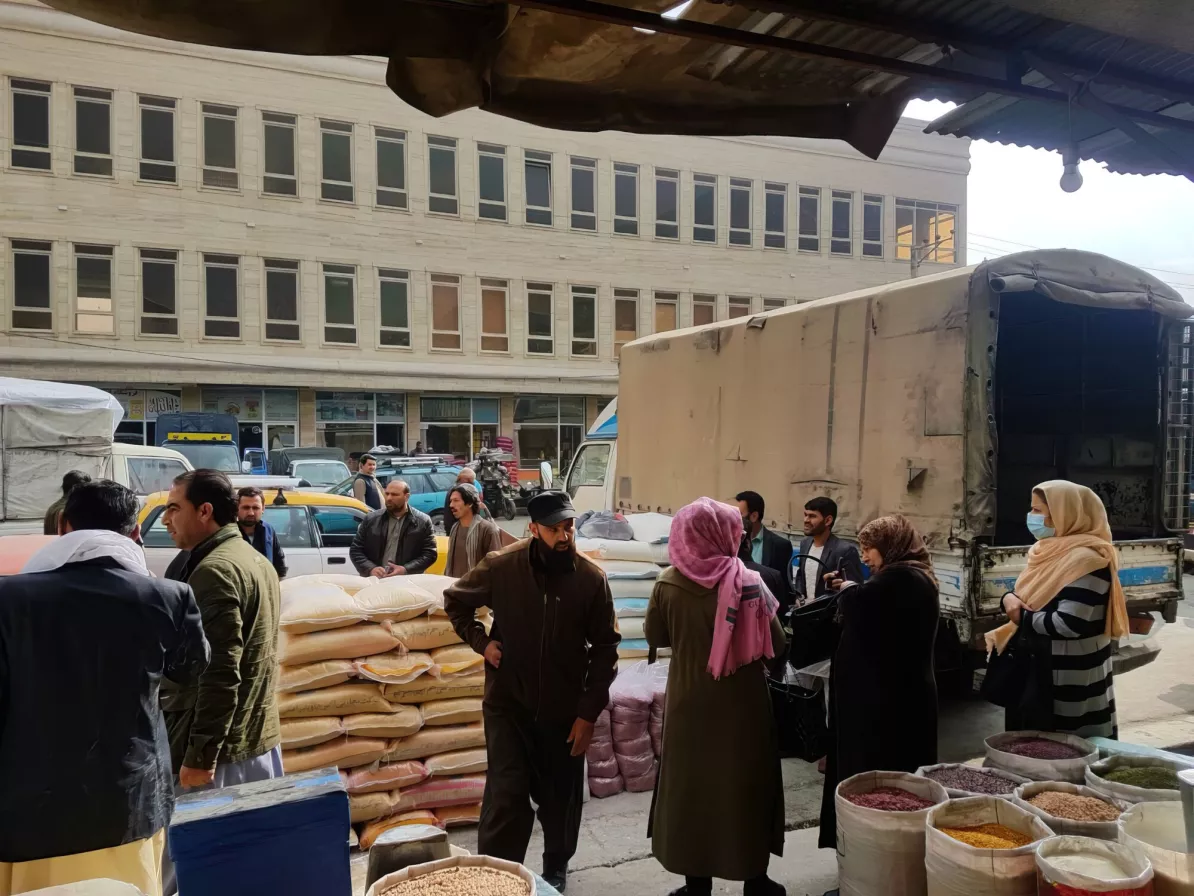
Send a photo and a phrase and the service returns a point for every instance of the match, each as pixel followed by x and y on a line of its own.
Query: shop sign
pixel 146 404
pixel 244 406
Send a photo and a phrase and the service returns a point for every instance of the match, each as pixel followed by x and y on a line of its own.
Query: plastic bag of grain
pixel 394 599
pixel 395 667
pixel 458 816
pixel 317 607
pixel 350 643
pixel 338 700
pixel 435 586
pixel 440 739
pixel 350 583
pixel 644 782
pixel 369 806
pixel 1001 754
pixel 1081 866
pixel 426 633
pixel 954 868
pixel 436 792
pixel 455 711
pixel 402 722
pixel 456 661
pixel 1128 793
pixel 426 688
pixel 386 776
pixel 603 787
pixel 310 676
pixel 878 851
pixel 1157 830
pixel 602 768
pixel 375 829
pixel 1059 824
pixel 458 762
pixel 308 732
pixel 343 752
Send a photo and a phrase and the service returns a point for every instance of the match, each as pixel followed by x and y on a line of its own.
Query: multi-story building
pixel 282 238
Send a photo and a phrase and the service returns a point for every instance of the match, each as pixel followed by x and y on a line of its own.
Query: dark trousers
pixel 757 886
pixel 530 760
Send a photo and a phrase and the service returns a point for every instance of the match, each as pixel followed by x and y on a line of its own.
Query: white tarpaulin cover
pixel 47 429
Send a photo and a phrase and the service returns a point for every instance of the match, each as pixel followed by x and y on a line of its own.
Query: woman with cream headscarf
pixel 1067 607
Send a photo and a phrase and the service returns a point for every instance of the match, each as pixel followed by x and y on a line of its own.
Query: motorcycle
pixel 496 490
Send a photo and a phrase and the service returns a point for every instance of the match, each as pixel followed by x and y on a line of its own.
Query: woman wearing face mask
pixel 882 693
pixel 1067 607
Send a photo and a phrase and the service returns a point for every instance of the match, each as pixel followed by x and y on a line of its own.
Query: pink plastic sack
pixel 643 783
pixel 601 726
pixel 630 714
pixel 636 747
pixel 624 731
pixel 636 766
pixel 603 787
pixel 600 750
pixel 603 768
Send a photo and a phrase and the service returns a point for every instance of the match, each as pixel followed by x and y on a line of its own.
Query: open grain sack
pixel 459 762
pixel 338 700
pixel 394 599
pixel 344 752
pixel 395 667
pixel 375 829
pixel 435 793
pixel 317 607
pixel 456 711
pixel 457 816
pixel 425 633
pixel 350 583
pixel 349 643
pixel 386 776
pixel 402 722
pixel 456 661
pixel 432 741
pixel 310 731
pixel 426 688
pixel 981 844
pixel 369 806
pixel 310 676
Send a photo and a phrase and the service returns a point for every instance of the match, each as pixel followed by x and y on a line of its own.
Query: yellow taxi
pixel 315 530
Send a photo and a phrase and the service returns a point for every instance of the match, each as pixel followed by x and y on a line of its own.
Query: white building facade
pixel 282 238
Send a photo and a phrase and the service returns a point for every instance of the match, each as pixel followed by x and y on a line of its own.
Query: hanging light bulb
pixel 1071 177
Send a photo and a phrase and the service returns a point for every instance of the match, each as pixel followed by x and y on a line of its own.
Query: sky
pixel 1014 203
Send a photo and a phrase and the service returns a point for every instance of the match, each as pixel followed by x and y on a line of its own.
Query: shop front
pixel 548 428
pixel 141 409
pixel 268 418
pixel 360 421
pixel 458 425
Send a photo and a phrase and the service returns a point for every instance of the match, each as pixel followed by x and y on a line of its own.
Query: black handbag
pixel 1009 674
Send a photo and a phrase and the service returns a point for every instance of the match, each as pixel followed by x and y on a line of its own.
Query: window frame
pixel 538 157
pixel 394 275
pixel 219 112
pixel 744 304
pixel 872 248
pixel 808 241
pixel 582 164
pixel 96 252
pixel 771 303
pixel 664 297
pixel 447 280
pixel 667 176
pixel 400 195
pixel 625 294
pixel 704 300
pixel 903 251
pixel 281 121
pixel 220 260
pixel 38 88
pixel 704 233
pixel 334 128
pixel 741 237
pixel 96 96
pixel 845 197
pixel 583 292
pixel 626 169
pixel 438 143
pixel 331 270
pixel 154 103
pixel 539 289
pixel 493 151
pixel 288 266
pixel 159 257
pixel 18 246
pixel 493 285
pixel 775 239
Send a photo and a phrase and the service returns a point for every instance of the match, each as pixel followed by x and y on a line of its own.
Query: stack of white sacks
pixel 375 681
pixel 631 568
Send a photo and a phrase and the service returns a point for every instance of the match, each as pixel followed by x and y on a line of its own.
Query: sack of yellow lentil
pixel 982 844
pixel 1071 809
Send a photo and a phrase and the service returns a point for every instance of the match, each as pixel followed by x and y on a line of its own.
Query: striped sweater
pixel 1069 634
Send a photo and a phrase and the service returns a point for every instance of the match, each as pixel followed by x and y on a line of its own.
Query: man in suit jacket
pixel 766 547
pixel 820 544
pixel 396 541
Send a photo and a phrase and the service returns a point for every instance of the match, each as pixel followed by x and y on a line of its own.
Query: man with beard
pixel 250 506
pixel 822 552
pixel 550 658
pixel 767 548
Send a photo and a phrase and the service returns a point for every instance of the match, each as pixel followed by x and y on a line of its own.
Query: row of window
pixel 918 223
pixel 94 311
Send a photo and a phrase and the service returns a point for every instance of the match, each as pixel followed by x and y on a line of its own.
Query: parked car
pixel 429 486
pixel 314 529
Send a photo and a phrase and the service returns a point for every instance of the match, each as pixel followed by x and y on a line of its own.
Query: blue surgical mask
pixel 1036 525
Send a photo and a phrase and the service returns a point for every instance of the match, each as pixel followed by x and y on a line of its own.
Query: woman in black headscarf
pixel 882 693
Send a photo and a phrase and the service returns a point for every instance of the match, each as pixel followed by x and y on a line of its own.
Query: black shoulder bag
pixel 1009 674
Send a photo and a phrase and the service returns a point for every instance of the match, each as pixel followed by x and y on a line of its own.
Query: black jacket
pixel 416 544
pixel 84 756
pixel 777 555
pixel 838 555
pixel 557 629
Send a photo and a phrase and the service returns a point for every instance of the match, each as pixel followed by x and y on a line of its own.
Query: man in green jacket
pixel 225 729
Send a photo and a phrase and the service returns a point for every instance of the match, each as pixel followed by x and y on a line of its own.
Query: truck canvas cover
pixel 50 426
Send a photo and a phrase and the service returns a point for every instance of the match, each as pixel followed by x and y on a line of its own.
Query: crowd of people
pixel 125 690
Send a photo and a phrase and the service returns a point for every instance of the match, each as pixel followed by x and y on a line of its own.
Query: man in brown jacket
pixel 550 658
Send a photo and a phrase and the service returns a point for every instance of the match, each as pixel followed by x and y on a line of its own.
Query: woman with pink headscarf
pixel 718 808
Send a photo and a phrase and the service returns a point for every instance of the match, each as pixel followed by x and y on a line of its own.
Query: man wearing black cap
pixel 550 658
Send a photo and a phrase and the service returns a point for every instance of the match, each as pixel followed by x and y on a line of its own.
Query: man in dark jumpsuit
pixel 550 658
